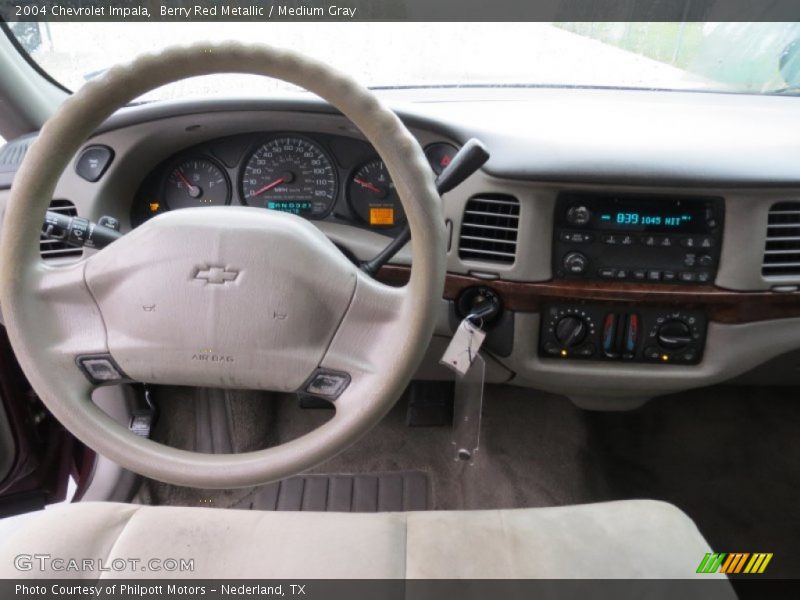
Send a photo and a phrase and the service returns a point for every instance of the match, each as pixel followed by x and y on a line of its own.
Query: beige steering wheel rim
pixel 51 318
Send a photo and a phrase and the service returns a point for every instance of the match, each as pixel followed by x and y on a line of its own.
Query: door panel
pixel 36 452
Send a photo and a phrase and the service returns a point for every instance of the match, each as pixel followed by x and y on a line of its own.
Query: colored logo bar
pixel 735 563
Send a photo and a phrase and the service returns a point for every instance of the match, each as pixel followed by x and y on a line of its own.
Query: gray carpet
pixel 729 457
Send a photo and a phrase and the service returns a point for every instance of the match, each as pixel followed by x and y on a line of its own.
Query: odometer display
pixel 290 174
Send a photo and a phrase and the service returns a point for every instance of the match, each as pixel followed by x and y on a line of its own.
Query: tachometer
pixel 372 196
pixel 290 174
pixel 196 182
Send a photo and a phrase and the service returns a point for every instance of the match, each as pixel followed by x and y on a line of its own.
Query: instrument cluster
pixel 316 176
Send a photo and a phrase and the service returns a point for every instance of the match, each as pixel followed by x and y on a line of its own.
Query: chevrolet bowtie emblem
pixel 217 275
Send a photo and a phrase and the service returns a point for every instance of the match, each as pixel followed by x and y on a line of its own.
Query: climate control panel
pixel 614 333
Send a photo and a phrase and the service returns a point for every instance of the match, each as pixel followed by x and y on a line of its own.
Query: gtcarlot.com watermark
pixel 48 563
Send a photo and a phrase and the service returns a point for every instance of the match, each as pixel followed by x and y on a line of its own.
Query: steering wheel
pixel 224 297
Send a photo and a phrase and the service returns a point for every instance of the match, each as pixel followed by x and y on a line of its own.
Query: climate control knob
pixel 571 331
pixel 575 263
pixel 674 335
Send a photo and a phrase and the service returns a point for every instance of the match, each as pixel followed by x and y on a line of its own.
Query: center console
pixel 634 239
pixel 652 239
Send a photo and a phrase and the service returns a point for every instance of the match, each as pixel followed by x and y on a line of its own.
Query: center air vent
pixel 782 251
pixel 51 249
pixel 489 229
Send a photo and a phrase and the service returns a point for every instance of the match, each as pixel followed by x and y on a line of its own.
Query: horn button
pixel 221 296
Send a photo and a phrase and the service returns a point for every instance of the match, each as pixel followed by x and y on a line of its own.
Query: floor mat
pixel 374 492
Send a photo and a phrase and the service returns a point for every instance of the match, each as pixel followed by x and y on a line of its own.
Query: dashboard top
pixel 582 135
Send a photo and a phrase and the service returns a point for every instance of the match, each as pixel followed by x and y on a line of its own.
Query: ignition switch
pixel 480 301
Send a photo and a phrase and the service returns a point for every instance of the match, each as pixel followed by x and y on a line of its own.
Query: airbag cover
pixel 221 296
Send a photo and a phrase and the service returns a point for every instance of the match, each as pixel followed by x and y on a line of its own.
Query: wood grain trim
pixel 721 305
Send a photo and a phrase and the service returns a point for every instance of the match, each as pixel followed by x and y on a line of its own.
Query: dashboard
pixel 630 256
pixel 311 175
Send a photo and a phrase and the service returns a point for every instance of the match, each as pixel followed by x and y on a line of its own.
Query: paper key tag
pixel 463 347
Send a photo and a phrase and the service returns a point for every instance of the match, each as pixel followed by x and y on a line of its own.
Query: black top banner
pixel 399 10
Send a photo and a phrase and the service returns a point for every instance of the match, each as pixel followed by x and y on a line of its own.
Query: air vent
pixel 11 156
pixel 782 252
pixel 13 152
pixel 52 249
pixel 489 229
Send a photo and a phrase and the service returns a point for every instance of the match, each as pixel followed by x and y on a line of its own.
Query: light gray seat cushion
pixel 627 539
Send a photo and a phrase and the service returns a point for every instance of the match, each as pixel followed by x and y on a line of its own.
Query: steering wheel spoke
pixel 68 323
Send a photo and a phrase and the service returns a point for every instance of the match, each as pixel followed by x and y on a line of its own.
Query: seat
pixel 624 539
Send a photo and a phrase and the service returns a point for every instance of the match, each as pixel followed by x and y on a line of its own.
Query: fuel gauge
pixel 196 182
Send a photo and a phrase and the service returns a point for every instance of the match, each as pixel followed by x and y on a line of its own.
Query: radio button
pixel 578 215
pixel 626 240
pixel 610 239
pixel 649 240
pixel 697 242
pixel 576 237
pixel 607 273
pixel 575 263
pixel 668 276
pixel 622 274
pixel 689 260
pixel 705 260
pixel 703 276
pixel 639 274
pixel 666 242
pixel 686 276
pixel 654 275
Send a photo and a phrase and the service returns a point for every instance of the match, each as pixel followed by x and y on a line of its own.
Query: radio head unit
pixel 624 237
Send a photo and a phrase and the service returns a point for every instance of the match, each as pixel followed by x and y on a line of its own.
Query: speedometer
pixel 290 174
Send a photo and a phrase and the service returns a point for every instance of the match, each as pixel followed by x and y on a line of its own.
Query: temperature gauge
pixel 373 198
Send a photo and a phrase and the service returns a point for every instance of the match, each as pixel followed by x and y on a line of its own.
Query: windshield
pixel 730 57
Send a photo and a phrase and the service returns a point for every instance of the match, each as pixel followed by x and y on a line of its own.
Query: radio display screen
pixel 642 213
pixel 643 220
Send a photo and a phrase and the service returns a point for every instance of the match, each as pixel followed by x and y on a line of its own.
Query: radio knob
pixel 570 331
pixel 674 335
pixel 575 263
pixel 578 215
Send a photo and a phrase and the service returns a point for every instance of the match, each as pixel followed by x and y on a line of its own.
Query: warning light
pixel 446 160
pixel 563 353
pixel 381 215
pixel 154 206
pixel 665 357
